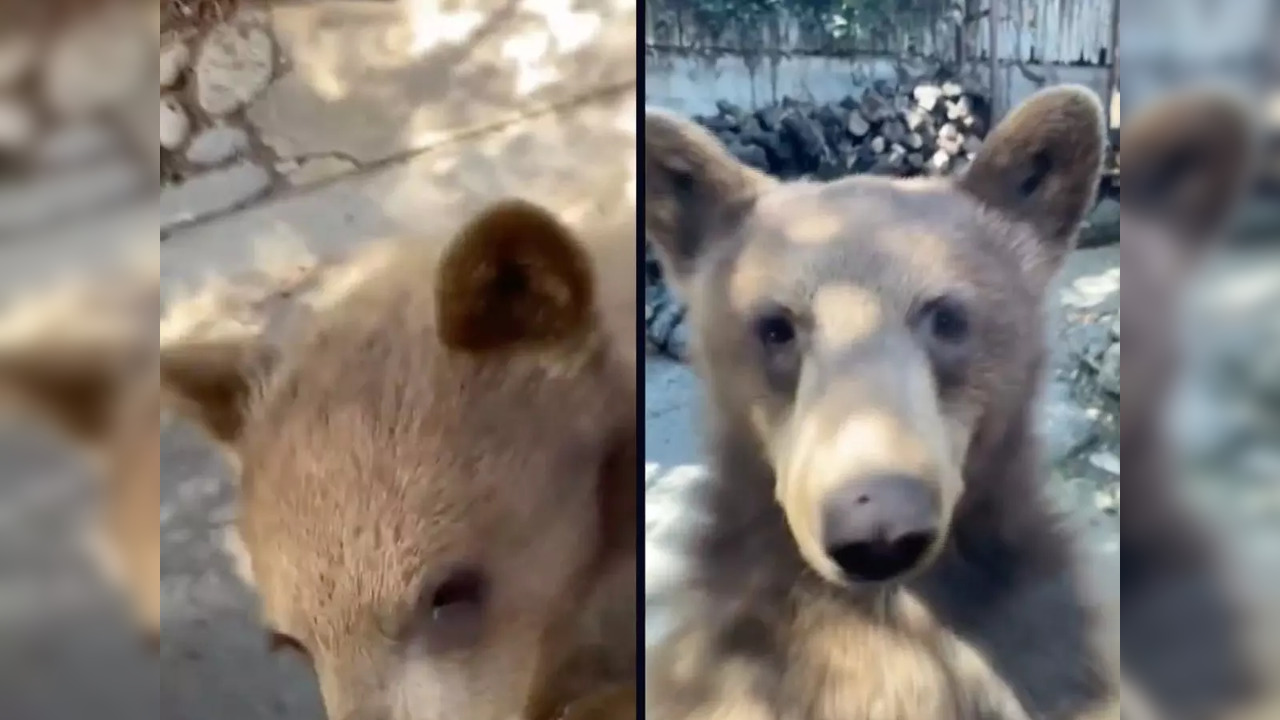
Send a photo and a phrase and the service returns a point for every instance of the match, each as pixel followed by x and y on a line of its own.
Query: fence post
pixel 1113 72
pixel 993 53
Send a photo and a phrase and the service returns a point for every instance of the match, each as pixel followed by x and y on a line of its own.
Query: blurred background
pixel 284 129
pixel 1226 414
pixel 78 192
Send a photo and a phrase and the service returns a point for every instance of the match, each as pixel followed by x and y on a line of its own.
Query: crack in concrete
pixel 453 140
pixel 336 154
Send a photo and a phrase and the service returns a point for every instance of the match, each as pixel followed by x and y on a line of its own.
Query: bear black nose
pixel 880 527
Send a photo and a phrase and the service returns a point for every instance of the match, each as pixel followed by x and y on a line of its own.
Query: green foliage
pixel 841 21
pixel 717 17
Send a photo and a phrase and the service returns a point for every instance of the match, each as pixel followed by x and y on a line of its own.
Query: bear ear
pixel 513 276
pixel 1042 163
pixel 73 387
pixel 209 382
pixel 220 343
pixel 693 189
pixel 1187 160
pixel 67 355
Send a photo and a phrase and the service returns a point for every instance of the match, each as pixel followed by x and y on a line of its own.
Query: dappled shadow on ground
pixel 368 79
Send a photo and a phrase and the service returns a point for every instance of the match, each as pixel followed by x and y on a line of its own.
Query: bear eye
pixel 461 591
pixel 451 611
pixel 947 319
pixel 774 329
pixel 282 642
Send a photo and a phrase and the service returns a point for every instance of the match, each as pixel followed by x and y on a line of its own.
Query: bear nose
pixel 878 528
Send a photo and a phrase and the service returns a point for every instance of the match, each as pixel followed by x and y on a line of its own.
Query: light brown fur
pixel 992 622
pixel 430 410
pixel 83 357
pixel 1185 630
pixel 1186 162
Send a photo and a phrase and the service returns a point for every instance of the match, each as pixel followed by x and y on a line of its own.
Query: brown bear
pixel 83 356
pixel 436 446
pixel 877 543
pixel 1187 160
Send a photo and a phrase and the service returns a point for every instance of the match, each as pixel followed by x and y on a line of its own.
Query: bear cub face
pixel 867 333
pixel 420 463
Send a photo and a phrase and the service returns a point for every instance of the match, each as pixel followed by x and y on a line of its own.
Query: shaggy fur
pixel 1187 160
pixel 994 623
pixel 82 356
pixel 437 453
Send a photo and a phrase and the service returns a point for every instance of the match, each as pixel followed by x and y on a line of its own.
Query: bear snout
pixel 878 528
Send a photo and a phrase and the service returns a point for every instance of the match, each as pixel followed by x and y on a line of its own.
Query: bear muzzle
pixel 878 528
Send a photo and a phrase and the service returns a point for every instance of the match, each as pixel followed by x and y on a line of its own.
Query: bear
pixel 436 449
pixel 82 357
pixel 1188 159
pixel 877 542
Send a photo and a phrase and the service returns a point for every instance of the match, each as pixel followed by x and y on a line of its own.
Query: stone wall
pixel 210 158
